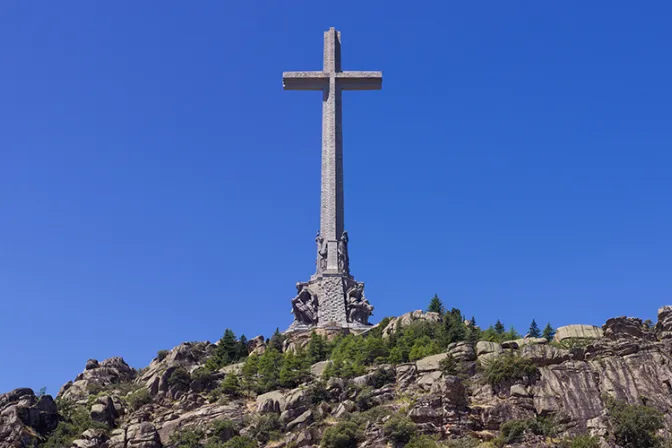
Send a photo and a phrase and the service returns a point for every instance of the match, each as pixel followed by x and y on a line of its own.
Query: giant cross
pixel 331 296
pixel 332 81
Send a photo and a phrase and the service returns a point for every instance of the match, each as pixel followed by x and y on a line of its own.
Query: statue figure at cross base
pixel 332 297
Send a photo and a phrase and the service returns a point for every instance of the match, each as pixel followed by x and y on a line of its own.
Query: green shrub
pixel 382 376
pixel 223 430
pixel 364 398
pixel 464 442
pixel 138 399
pixel 161 354
pixel 634 426
pixel 231 386
pixel 448 365
pixel 318 392
pixel 266 427
pixel 179 379
pixel 422 441
pixel 240 442
pixel 342 435
pixel 186 438
pixel 507 369
pixel 514 430
pixel 76 420
pixel 581 441
pixel 399 429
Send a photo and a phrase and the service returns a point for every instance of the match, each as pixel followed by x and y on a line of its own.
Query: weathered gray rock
pixel 430 363
pixel 545 355
pixel 517 343
pixel 578 332
pixel 143 435
pixel 462 351
pixel 664 325
pixel 626 328
pixel 256 346
pixel 24 417
pixel 486 347
pixel 96 377
pixel 273 401
pixel 318 368
pixel 301 421
pixel 91 438
pixel 407 319
pixel 103 410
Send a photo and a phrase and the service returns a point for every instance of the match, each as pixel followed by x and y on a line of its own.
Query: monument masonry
pixel 332 297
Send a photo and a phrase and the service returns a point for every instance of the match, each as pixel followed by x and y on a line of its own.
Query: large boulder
pixel 462 351
pixel 256 346
pixel 626 328
pixel 664 325
pixel 407 319
pixel 487 347
pixel 25 417
pixel 578 332
pixel 97 377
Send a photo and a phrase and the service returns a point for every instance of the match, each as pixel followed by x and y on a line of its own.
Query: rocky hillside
pixel 588 387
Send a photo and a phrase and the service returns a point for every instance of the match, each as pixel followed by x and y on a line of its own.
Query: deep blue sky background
pixel 157 185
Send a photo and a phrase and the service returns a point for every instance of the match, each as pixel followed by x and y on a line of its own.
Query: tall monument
pixel 332 297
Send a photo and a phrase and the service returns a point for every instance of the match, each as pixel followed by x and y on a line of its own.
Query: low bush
pixel 161 354
pixel 507 369
pixel 345 434
pixel 223 430
pixel 514 430
pixel 265 428
pixel 179 379
pixel 138 399
pixel 240 442
pixel 581 441
pixel 76 420
pixel 634 426
pixel 186 438
pixel 422 441
pixel 399 429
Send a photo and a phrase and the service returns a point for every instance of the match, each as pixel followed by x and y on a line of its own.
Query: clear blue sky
pixel 157 185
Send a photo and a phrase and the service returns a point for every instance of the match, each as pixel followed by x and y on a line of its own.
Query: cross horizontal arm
pixel 305 80
pixel 360 80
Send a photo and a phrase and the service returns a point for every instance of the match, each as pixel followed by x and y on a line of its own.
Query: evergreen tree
pixel 534 331
pixel 454 329
pixel 231 385
pixel 548 332
pixel 436 306
pixel 276 340
pixel 473 332
pixel 250 371
pixel 499 328
pixel 241 348
pixel 317 348
pixel 295 369
pixel 270 363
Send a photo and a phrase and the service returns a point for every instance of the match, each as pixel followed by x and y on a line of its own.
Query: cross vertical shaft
pixel 332 81
pixel 331 203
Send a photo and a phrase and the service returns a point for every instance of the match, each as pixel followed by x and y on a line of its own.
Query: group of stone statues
pixel 343 259
pixel 305 306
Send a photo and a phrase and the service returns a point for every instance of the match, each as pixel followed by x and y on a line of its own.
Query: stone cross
pixel 332 81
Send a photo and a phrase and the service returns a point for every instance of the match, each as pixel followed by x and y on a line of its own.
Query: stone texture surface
pixel 407 319
pixel 627 363
pixel 578 332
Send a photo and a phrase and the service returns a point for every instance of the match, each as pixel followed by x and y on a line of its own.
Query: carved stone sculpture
pixel 304 305
pixel 321 253
pixel 343 259
pixel 359 309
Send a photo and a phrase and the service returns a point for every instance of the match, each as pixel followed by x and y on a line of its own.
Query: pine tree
pixel 436 306
pixel 270 363
pixel 454 329
pixel 276 340
pixel 499 327
pixel 534 331
pixel 231 385
pixel 241 348
pixel 473 332
pixel 317 348
pixel 548 332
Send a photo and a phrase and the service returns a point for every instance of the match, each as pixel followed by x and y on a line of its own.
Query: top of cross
pixel 351 80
